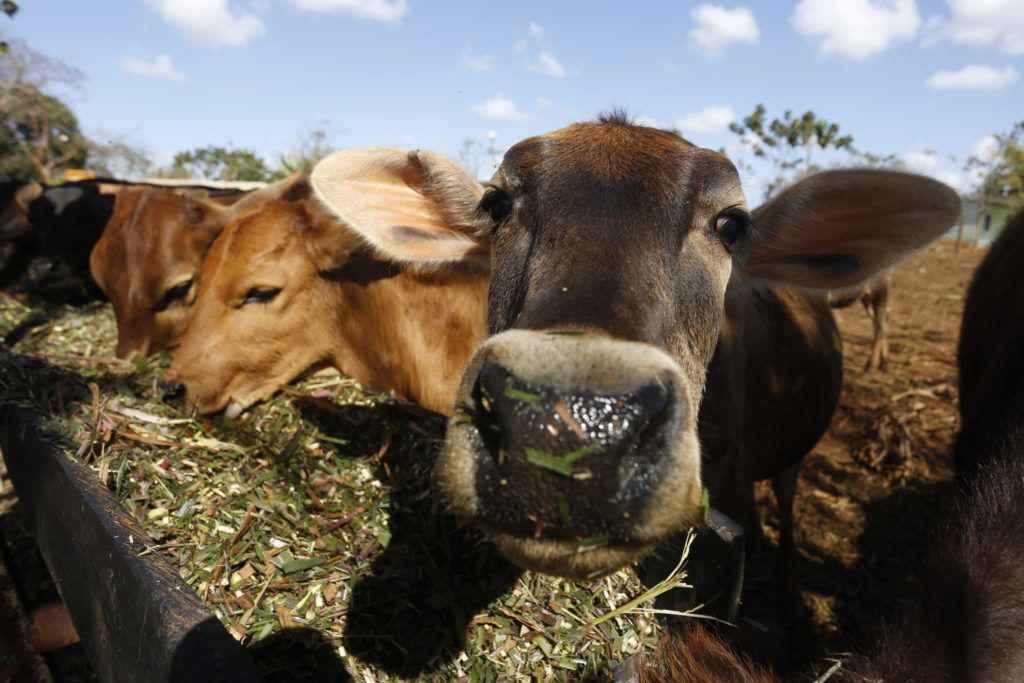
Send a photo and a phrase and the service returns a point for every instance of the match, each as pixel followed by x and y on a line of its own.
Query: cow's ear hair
pixel 204 214
pixel 411 206
pixel 839 228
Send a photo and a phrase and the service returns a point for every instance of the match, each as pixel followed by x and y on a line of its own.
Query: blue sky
pixel 923 79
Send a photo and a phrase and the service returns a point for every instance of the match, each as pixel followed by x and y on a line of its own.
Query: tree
pixel 789 143
pixel 1000 171
pixel 10 8
pixel 38 132
pixel 313 147
pixel 220 163
pixel 118 158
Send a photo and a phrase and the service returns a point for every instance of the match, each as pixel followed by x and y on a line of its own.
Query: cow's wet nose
pixel 173 391
pixel 576 463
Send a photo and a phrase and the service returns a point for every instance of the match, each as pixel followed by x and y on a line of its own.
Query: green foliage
pixel 118 159
pixel 10 8
pixel 311 149
pixel 788 143
pixel 38 133
pixel 220 163
pixel 1002 172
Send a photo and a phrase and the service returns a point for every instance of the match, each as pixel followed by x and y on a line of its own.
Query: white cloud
pixel 209 22
pixel 474 62
pixel 534 31
pixel 547 64
pixel 645 120
pixel 387 11
pixel 856 29
pixel 160 67
pixel 543 102
pixel 500 108
pixel 718 26
pixel 922 160
pixel 981 23
pixel 985 148
pixel 708 120
pixel 973 77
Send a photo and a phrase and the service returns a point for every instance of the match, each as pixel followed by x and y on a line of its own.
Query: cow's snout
pixel 578 464
pixel 576 453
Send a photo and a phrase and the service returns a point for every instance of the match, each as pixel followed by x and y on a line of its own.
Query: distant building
pixel 983 220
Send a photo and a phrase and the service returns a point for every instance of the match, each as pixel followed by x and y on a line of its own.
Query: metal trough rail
pixel 138 620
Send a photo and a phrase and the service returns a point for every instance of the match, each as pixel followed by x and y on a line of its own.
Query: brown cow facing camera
pixel 288 288
pixel 148 256
pixel 629 280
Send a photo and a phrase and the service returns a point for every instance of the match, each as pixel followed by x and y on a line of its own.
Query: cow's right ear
pixel 836 229
pixel 412 206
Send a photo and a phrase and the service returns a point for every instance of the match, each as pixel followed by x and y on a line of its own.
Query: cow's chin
pixel 567 558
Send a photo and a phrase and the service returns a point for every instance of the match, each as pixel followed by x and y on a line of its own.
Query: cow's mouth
pixel 569 480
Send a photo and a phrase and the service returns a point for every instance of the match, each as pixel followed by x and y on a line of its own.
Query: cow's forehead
pixel 616 152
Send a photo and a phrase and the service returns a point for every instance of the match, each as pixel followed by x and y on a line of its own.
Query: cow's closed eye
pixel 730 226
pixel 497 204
pixel 261 295
pixel 178 291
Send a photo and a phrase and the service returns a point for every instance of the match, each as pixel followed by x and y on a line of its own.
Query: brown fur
pixel 990 348
pixel 155 241
pixel 607 240
pixel 392 328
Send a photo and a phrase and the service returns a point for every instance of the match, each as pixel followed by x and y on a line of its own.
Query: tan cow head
pixel 574 445
pixel 151 250
pixel 288 287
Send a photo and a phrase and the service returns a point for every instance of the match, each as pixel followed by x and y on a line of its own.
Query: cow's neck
pixel 407 332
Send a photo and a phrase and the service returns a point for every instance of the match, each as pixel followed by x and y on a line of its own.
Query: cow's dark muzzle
pixel 570 465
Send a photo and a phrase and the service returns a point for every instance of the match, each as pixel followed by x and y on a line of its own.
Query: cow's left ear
pixel 412 206
pixel 25 194
pixel 837 229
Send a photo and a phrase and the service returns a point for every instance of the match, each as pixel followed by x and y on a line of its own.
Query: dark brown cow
pixel 575 445
pixel 874 296
pixel 991 347
pixel 151 250
pixel 287 288
pixel 17 240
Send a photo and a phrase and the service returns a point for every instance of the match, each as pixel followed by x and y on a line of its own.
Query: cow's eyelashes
pixel 261 295
pixel 730 225
pixel 178 291
pixel 498 205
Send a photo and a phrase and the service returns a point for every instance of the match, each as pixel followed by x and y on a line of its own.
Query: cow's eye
pixel 497 204
pixel 730 226
pixel 178 291
pixel 261 295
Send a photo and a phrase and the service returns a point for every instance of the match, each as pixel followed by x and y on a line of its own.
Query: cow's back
pixel 990 349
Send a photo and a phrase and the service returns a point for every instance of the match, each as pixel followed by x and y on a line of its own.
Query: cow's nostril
pixel 172 391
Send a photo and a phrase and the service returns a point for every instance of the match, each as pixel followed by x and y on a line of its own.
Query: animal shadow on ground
pixel 889 555
pixel 411 612
pixel 298 654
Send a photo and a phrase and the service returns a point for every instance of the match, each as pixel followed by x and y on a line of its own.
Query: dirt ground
pixel 879 480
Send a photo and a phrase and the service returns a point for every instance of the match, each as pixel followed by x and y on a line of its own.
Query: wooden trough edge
pixel 137 618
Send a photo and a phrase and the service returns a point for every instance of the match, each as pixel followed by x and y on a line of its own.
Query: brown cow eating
pixel 288 288
pixel 150 251
pixel 621 255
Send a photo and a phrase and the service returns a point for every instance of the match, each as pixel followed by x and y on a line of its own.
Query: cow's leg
pixel 877 303
pixel 786 576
